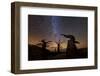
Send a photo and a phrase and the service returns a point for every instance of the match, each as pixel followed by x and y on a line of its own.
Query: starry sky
pixel 50 27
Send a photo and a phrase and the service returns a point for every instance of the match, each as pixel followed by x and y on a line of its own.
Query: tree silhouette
pixel 71 46
pixel 44 45
pixel 58 45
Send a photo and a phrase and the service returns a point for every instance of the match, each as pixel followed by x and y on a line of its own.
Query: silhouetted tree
pixel 71 46
pixel 58 46
pixel 44 45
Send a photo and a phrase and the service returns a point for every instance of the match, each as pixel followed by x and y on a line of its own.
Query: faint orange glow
pixel 53 46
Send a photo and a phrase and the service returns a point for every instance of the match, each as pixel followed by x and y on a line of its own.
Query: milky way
pixel 55 26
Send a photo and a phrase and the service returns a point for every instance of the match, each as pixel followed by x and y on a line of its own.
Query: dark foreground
pixel 37 53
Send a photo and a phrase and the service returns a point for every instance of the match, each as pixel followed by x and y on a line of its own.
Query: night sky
pixel 50 27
